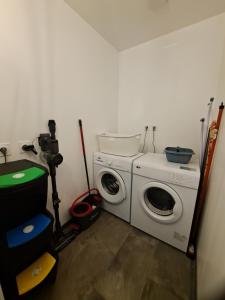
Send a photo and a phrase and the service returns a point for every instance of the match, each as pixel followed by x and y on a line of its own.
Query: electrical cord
pixel 146 130
pixel 3 150
pixel 153 138
pixel 34 141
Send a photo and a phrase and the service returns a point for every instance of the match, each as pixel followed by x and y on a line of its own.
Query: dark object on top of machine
pixel 23 192
pixel 179 155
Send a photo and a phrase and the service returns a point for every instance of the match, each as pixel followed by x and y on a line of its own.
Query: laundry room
pixel 112 149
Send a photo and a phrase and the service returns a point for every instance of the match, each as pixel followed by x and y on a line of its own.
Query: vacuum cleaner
pixel 50 153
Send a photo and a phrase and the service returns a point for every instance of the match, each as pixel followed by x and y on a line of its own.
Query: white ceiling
pixel 126 23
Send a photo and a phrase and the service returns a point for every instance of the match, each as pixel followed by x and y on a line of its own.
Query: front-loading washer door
pixel 111 186
pixel 161 202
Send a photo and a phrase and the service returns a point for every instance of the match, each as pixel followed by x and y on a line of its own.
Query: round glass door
pixel 111 186
pixel 161 202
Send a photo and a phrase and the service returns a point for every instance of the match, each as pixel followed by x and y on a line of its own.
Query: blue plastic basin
pixel 179 155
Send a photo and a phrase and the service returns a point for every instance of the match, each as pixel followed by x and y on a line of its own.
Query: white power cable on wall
pixel 153 138
pixel 146 130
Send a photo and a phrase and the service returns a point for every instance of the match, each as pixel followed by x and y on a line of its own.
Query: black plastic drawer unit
pixel 23 192
pixel 21 245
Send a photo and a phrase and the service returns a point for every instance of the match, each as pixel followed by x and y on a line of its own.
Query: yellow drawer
pixel 35 273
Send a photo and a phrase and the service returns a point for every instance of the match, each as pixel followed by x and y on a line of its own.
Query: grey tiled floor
pixel 114 261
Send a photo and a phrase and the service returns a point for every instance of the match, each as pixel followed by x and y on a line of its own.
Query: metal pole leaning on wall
pixel 210 147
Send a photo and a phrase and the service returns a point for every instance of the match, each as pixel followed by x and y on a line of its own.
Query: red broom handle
pixel 84 153
pixel 206 173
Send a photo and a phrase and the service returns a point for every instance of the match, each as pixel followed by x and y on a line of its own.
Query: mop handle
pixel 84 153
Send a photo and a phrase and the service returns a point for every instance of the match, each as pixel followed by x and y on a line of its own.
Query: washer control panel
pixel 114 162
pixel 188 177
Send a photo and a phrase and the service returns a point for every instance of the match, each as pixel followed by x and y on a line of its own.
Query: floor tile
pixel 114 261
pixel 153 291
pixel 173 270
pixel 126 276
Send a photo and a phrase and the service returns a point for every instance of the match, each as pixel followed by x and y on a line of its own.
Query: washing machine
pixel 163 198
pixel 112 177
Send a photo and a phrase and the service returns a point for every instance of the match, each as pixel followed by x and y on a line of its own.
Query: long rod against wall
pixel 202 142
pixel 207 124
pixel 212 139
pixel 84 153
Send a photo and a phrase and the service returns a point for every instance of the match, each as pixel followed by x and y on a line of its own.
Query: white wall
pixel 211 246
pixel 168 82
pixel 54 65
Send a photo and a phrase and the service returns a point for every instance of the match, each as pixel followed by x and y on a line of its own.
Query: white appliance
pixel 163 198
pixel 112 177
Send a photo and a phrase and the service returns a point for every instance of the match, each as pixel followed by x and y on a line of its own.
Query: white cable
pixel 146 130
pixel 153 140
